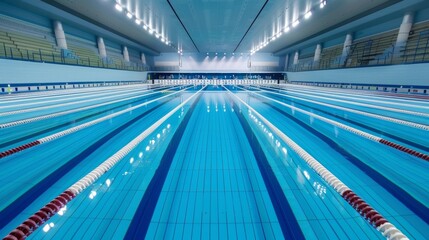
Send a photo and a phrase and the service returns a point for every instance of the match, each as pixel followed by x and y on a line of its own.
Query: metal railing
pixel 40 55
pixel 416 51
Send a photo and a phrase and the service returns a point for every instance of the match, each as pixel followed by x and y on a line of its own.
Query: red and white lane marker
pixel 350 129
pixel 364 209
pixel 79 127
pixel 44 214
pixel 57 114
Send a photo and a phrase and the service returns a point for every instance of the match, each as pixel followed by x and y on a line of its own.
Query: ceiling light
pixel 145 27
pixel 118 7
pixel 274 37
pixel 156 35
pixel 233 54
pixel 224 53
pixel 207 54
pixel 150 31
pixel 322 3
pixel 129 15
pixel 279 34
pixel 308 15
pixel 178 51
pixel 287 29
pixel 216 54
pixel 162 40
pixel 294 24
pixel 138 21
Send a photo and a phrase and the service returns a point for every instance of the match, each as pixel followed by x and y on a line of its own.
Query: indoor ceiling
pixel 218 25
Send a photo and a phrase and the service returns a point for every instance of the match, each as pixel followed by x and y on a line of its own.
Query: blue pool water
pixel 213 170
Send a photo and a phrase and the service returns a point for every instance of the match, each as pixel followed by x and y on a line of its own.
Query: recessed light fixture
pixel 308 15
pixel 296 23
pixel 129 15
pixel 287 29
pixel 138 21
pixel 118 7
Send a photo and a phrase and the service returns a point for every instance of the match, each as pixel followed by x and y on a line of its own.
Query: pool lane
pixel 342 154
pixel 21 134
pixel 214 188
pixel 53 160
pixel 118 192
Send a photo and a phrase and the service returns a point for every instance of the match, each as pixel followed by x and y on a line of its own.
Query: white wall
pixel 202 62
pixel 406 75
pixel 17 72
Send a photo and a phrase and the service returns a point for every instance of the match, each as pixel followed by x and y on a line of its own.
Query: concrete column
pixel 347 43
pixel 143 58
pixel 296 58
pixel 101 47
pixel 125 53
pixel 287 61
pixel 317 53
pixel 404 30
pixel 60 35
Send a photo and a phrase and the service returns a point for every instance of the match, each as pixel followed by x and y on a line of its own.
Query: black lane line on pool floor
pixel 17 206
pixel 2 145
pixel 288 222
pixel 143 215
pixel 402 140
pixel 403 196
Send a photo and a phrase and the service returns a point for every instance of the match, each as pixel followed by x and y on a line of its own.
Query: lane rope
pixel 386 228
pixel 350 129
pixel 57 114
pixel 373 115
pixel 45 213
pixel 79 127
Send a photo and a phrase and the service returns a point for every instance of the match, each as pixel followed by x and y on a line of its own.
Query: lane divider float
pixel 421 114
pixel 61 104
pixel 45 213
pixel 56 94
pixel 373 115
pixel 70 98
pixel 57 114
pixel 79 127
pixel 350 129
pixel 364 209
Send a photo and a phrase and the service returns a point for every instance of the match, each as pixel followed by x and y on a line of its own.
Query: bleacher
pixel 372 50
pixel 85 50
pixel 116 59
pixel 329 55
pixel 27 41
pixel 22 40
pixel 417 48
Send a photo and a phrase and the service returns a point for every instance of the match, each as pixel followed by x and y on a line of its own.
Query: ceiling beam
pixel 180 20
pixel 257 15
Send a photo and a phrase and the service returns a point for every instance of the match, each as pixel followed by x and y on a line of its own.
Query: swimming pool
pixel 218 162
